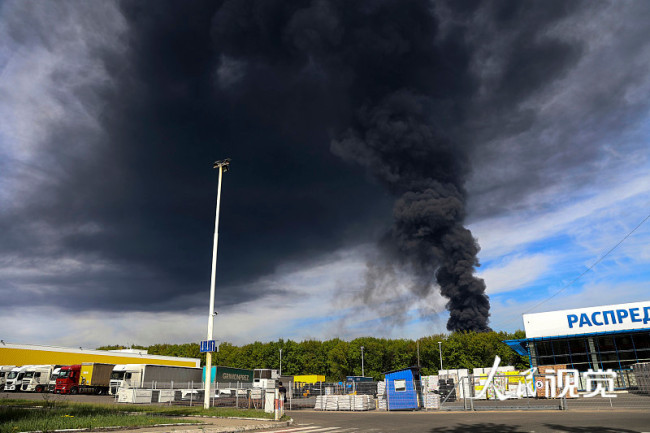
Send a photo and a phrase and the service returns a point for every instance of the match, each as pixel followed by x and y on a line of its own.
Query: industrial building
pixel 599 338
pixel 27 354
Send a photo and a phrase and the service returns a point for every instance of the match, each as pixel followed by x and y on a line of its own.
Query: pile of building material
pixel 327 402
pixel 363 402
pixel 429 384
pixel 344 402
pixel 459 377
pixel 431 401
pixel 642 375
pixel 382 402
pixel 550 386
pixel 502 382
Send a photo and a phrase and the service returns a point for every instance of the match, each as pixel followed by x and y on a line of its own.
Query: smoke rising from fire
pixel 398 82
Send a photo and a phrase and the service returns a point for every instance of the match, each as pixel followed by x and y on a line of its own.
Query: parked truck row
pixel 99 378
pixel 91 377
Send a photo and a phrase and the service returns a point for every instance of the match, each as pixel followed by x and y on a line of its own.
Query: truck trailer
pixel 36 378
pixel 86 378
pixel 152 376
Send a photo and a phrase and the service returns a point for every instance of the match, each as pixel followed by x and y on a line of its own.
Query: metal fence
pixel 626 389
pixel 539 392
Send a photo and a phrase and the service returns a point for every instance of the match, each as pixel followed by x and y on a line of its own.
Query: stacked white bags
pixel 381 396
pixel 363 402
pixel 320 404
pixel 431 401
pixel 344 402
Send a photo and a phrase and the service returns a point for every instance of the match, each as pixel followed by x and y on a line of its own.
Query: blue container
pixel 402 387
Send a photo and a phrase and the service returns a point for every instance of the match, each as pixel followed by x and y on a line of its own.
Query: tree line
pixel 337 358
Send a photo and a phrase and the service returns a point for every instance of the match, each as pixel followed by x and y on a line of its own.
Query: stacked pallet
pixel 447 390
pixel 430 383
pixel 642 375
pixel 382 402
pixel 344 402
pixel 431 401
pixel 362 402
pixel 326 402
pixel 550 387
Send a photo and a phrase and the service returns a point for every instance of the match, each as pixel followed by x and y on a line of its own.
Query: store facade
pixel 599 338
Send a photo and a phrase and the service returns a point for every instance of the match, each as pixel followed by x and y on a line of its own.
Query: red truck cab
pixel 68 380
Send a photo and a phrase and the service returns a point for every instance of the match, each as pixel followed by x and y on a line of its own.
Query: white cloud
pixel 316 300
pixel 510 233
pixel 515 273
pixel 507 313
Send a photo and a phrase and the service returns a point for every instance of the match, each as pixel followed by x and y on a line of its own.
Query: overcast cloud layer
pixel 111 114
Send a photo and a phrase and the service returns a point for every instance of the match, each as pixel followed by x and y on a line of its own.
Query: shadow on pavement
pixel 482 427
pixel 502 428
pixel 563 428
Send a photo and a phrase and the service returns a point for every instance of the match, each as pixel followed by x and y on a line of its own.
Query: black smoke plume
pixel 396 81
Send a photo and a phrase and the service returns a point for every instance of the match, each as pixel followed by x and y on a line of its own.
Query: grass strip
pixel 74 416
pixel 88 408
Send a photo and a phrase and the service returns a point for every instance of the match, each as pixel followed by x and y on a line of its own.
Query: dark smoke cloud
pixel 399 144
pixel 457 111
pixel 401 83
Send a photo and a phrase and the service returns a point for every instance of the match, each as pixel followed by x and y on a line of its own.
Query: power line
pixel 587 270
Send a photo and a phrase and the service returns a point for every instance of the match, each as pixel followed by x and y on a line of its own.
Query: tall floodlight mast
pixel 223 167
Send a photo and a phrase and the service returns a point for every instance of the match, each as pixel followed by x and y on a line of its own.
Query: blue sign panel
pixel 208 346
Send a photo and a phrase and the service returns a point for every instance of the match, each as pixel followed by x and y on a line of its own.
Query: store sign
pixel 606 318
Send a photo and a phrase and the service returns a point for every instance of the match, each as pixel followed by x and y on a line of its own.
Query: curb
pixel 215 429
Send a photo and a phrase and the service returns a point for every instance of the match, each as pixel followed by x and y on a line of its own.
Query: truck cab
pixel 14 379
pixel 51 385
pixel 68 380
pixel 37 378
pixel 4 371
pixel 126 376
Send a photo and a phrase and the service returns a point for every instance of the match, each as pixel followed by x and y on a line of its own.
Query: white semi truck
pixel 55 374
pixel 4 371
pixel 152 376
pixel 14 378
pixel 37 378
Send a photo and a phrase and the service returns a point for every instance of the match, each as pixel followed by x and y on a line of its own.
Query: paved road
pixel 537 421
pixel 484 422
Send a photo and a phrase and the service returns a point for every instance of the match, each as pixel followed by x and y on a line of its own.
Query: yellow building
pixel 28 354
pixel 309 379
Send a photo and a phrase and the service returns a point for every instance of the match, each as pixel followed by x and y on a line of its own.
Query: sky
pixel 376 147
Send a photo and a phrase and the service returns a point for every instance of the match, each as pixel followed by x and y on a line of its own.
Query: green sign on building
pixel 230 374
